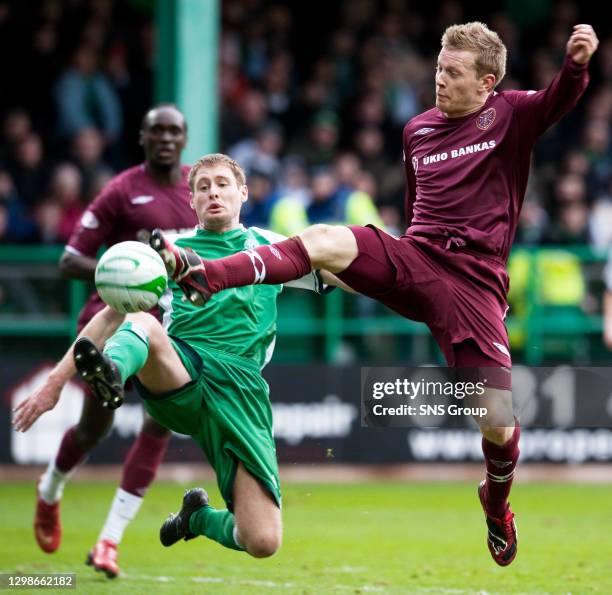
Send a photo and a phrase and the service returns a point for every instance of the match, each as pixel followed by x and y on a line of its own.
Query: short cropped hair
pixel 213 159
pixel 490 51
pixel 144 123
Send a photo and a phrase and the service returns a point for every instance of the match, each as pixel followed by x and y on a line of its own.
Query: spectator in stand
pixel 319 144
pixel 331 204
pixel 66 186
pixel 249 115
pixel 256 212
pixel 29 170
pixel 598 150
pixel 261 153
pixel 85 98
pixel 16 127
pixel 86 153
pixel 571 223
pixel 15 225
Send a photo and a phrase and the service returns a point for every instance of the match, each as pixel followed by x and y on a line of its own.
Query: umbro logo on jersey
pixel 422 131
pixel 142 200
pixel 501 348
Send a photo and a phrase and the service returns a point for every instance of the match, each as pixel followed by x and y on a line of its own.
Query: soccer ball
pixel 131 277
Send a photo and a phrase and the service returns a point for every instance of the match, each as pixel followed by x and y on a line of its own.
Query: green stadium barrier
pixel 547 318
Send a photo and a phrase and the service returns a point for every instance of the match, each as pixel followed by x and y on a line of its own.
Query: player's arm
pixel 98 222
pixel 538 110
pixel 77 266
pixel 410 193
pixel 98 329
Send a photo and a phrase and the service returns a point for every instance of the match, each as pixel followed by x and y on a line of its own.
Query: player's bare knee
pixel 88 438
pixel 146 325
pixel 330 247
pixel 497 434
pixel 263 543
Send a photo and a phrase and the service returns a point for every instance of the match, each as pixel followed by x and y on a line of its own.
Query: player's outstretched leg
pixel 199 279
pixel 99 372
pixel 184 266
pixel 176 526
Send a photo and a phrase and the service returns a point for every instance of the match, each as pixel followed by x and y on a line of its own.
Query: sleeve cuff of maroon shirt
pixel 574 66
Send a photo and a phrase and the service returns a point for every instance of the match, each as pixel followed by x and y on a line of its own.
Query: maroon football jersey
pixel 466 176
pixel 131 204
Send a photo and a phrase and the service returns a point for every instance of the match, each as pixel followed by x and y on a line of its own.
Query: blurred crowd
pixel 314 97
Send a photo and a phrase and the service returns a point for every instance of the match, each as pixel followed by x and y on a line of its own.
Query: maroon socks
pixel 271 264
pixel 500 462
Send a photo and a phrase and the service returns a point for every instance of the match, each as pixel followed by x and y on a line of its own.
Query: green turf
pixel 375 537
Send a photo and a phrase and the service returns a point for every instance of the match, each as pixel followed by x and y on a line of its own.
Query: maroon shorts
pixel 459 294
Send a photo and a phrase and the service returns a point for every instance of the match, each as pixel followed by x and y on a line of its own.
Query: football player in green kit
pixel 199 372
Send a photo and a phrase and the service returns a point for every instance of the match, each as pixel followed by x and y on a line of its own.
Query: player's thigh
pixel 371 270
pixel 257 514
pixel 164 370
pixel 330 247
pixel 496 416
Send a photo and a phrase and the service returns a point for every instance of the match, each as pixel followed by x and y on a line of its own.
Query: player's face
pixel 217 198
pixel 459 91
pixel 163 137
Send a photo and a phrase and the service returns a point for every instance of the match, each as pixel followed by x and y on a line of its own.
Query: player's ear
pixel 488 82
pixel 191 203
pixel 244 191
pixel 141 137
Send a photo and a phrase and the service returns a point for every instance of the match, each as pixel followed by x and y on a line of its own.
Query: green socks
pixel 218 525
pixel 128 348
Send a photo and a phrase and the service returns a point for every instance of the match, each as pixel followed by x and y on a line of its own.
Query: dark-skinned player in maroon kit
pixel 153 194
pixel 467 163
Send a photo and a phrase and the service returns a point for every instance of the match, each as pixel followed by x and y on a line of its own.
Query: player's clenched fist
pixel 582 44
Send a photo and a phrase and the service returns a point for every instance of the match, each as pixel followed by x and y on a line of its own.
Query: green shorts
pixel 226 410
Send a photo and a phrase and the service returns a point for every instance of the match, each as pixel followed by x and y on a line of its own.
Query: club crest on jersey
pixel 422 131
pixel 486 119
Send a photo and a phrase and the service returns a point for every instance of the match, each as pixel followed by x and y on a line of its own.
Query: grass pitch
pixel 351 538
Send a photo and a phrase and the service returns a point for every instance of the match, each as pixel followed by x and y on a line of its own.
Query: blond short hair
pixel 489 50
pixel 213 159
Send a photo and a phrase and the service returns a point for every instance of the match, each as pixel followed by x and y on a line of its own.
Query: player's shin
pixel 128 348
pixel 218 525
pixel 271 264
pixel 500 462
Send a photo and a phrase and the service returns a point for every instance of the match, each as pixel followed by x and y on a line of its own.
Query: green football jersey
pixel 240 321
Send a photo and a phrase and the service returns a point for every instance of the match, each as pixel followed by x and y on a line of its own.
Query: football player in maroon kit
pixel 467 162
pixel 153 194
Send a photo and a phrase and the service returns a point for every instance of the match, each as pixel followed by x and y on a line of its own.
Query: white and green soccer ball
pixel 131 277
